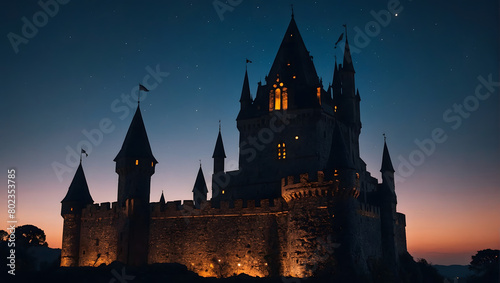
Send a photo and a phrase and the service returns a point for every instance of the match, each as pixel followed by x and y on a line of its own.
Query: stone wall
pixel 219 241
pixel 99 234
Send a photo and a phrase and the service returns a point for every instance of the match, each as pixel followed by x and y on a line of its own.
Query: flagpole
pixel 139 96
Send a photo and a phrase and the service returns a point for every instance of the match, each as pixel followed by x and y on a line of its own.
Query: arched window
pixel 278 97
pixel 281 151
pixel 277 103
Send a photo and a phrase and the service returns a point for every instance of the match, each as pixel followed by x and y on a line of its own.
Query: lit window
pixel 318 94
pixel 335 108
pixel 335 173
pixel 152 164
pixel 294 77
pixel 71 209
pixel 277 104
pixel 271 100
pixel 285 98
pixel 278 97
pixel 223 192
pixel 296 137
pixel 137 162
pixel 281 151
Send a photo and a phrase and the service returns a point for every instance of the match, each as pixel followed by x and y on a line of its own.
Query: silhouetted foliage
pixel 3 235
pixel 485 264
pixel 30 235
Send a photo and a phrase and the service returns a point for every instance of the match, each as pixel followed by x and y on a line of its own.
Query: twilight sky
pixel 428 78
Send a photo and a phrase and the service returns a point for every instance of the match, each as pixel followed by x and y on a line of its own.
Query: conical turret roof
pixel 200 185
pixel 78 189
pixel 347 64
pixel 136 143
pixel 245 91
pixel 219 147
pixel 386 161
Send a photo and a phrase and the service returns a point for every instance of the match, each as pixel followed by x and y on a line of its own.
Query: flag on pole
pixel 84 152
pixel 248 61
pixel 338 40
pixel 143 88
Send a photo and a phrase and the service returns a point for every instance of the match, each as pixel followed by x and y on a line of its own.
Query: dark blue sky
pixel 417 74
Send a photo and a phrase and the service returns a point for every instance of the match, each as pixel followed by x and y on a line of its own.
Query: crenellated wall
pixel 235 238
pixel 318 226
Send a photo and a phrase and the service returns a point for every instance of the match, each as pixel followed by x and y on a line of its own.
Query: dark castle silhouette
pixel 301 203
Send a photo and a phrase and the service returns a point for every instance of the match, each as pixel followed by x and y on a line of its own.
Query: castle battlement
pixel 104 209
pixel 313 185
pixel 187 208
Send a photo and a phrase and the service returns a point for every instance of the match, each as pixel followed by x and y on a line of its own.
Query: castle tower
pixel 77 198
pixel 388 214
pixel 322 209
pixel 135 164
pixel 346 99
pixel 245 99
pixel 199 189
pixel 218 177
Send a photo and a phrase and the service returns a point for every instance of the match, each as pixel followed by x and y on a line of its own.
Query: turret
pixel 245 99
pixel 346 98
pixel 388 215
pixel 76 199
pixel 135 164
pixel 200 190
pixel 219 154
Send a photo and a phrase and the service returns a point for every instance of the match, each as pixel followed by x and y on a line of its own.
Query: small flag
pixel 248 61
pixel 340 38
pixel 84 152
pixel 143 88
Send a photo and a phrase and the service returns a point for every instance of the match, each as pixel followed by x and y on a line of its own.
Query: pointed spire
pixel 136 143
pixel 386 159
pixel 79 190
pixel 162 198
pixel 347 64
pixel 339 156
pixel 219 147
pixel 293 62
pixel 200 185
pixel 336 83
pixel 246 97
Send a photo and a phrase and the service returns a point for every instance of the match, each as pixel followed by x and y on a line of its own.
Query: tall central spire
pixel 293 59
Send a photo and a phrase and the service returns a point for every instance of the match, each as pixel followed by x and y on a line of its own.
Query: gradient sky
pixel 411 71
